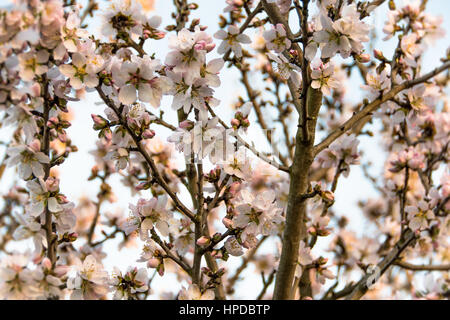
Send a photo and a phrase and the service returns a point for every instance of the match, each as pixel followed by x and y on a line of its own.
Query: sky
pixel 76 169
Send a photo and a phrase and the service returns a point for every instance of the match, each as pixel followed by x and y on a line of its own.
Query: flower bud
pixel 36 89
pixel 391 5
pixel 52 184
pixel 328 196
pixel 234 188
pixel 363 58
pixel 99 122
pixel 160 269
pixel 186 124
pixel 235 123
pixel 106 133
pixel 72 236
pixel 378 55
pixel 321 261
pixel 217 254
pixel 52 122
pixel 153 263
pixel 203 241
pixel 46 263
pixel 216 237
pixel 245 123
pixel 61 270
pixel 142 186
pixel 227 223
pixel 148 134
pixel 312 230
pixel 323 232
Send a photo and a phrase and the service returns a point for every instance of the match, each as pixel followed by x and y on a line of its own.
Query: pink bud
pixel 153 263
pixel 378 54
pixel 185 124
pixel 141 186
pixel 148 134
pixel 52 184
pixel 245 123
pixel 99 122
pixel 52 122
pixel 61 270
pixel 328 195
pixel 209 47
pixel 227 222
pixel 200 45
pixel 323 260
pixel 72 236
pixel 235 122
pixel 203 241
pixel 47 263
pixel 324 232
pixel 159 35
pixel 62 198
pixel 364 58
pixel 107 134
pixel 234 188
pixel 36 89
pixel 216 254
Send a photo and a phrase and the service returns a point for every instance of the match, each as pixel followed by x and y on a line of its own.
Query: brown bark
pixel 295 229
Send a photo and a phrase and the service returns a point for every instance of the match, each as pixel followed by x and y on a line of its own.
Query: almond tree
pixel 229 198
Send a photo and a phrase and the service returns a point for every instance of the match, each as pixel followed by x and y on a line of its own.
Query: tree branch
pixel 369 279
pixel 155 172
pixel 422 267
pixel 371 107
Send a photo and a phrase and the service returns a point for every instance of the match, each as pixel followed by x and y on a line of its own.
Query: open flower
pixel 285 69
pixel 231 40
pixel 149 213
pixel 419 215
pixel 276 38
pixel 189 51
pixel 233 247
pixel 128 285
pixel 82 71
pixel 193 292
pixel 29 228
pixel 342 152
pixel 72 33
pixel 188 92
pixel 120 156
pixel 257 214
pixel 17 280
pixel 33 63
pixel 238 164
pixel 90 281
pixel 29 158
pixel 202 139
pixel 210 72
pixel 41 198
pixel 137 79
pixel 344 35
pixel 411 49
pixel 322 77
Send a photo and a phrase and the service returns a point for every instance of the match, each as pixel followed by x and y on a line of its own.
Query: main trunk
pixel 295 229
